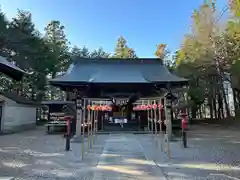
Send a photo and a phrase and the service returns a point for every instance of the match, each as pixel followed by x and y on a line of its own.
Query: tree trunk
pixel 214 99
pixel 214 107
pixel 235 100
pixel 200 112
pixel 52 89
pixel 225 101
pixel 194 112
pixel 222 91
pixel 238 98
pixel 210 107
pixel 220 107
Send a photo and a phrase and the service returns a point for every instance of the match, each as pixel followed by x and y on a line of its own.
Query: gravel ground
pixel 212 154
pixel 35 155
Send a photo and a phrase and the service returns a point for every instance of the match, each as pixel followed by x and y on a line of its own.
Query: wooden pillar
pixel 83 130
pixel 91 125
pixel 97 113
pixel 160 124
pixel 155 118
pixel 152 119
pixel 102 114
pixel 88 124
pixel 168 118
pixel 148 116
pixel 94 124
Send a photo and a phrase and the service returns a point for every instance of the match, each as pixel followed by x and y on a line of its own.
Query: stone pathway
pixel 123 158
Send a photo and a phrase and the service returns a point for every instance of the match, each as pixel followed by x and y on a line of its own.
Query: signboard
pixel 120 121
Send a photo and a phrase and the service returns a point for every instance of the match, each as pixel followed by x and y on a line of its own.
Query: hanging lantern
pixel 148 107
pixel 88 107
pixel 160 106
pixel 154 106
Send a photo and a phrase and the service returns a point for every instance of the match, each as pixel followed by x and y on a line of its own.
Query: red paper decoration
pixel 147 107
pixel 143 107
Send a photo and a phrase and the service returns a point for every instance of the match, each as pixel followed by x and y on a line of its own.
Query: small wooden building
pixel 17 113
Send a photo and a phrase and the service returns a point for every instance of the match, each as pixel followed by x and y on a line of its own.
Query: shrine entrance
pixel 118 121
pixel 111 119
pixel 147 115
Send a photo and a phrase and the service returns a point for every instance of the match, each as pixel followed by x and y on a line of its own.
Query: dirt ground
pixel 213 153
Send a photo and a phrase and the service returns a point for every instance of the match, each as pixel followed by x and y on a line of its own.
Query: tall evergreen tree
pixel 122 50
pixel 58 46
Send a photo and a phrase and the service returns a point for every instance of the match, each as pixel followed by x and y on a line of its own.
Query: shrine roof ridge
pixel 118 61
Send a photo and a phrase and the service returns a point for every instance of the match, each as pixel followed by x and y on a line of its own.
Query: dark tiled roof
pixel 116 71
pixel 57 102
pixel 19 99
pixel 10 69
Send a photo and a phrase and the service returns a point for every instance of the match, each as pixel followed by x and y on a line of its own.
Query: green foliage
pixel 43 56
pixel 99 53
pixel 58 46
pixel 208 54
pixel 201 57
pixel 235 7
pixel 232 39
pixel 122 50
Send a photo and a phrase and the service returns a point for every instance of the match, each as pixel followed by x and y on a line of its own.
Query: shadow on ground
pixel 212 154
pixel 34 155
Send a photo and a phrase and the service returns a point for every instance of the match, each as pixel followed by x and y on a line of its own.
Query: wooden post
pixel 91 126
pixel 101 117
pixel 152 119
pixel 139 116
pixel 168 124
pixel 102 122
pixel 83 131
pixel 148 114
pixel 155 118
pixel 169 149
pixel 94 125
pixel 88 124
pixel 168 118
pixel 160 124
pixel 97 122
pixel 68 135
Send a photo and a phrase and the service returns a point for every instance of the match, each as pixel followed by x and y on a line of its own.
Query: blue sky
pixel 95 23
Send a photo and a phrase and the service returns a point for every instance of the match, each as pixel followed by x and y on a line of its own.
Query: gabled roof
pixel 10 69
pixel 116 71
pixel 18 99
